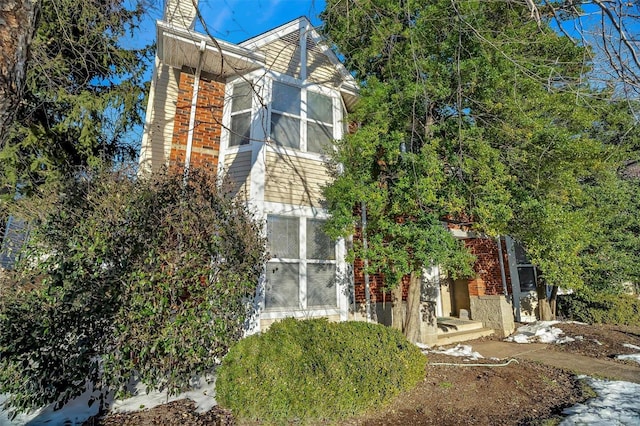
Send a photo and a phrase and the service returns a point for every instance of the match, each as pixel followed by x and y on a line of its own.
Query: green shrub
pixel 125 279
pixel 600 308
pixel 315 369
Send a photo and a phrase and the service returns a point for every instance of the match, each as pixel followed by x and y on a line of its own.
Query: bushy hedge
pixel 315 369
pixel 147 279
pixel 600 308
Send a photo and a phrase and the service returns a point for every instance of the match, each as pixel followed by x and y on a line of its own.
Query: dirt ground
pixel 522 393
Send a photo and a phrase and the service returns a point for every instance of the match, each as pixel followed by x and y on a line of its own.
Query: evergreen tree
pixel 83 93
pixel 474 113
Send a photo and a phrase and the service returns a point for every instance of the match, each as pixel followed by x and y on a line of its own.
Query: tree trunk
pixel 544 308
pixel 17 25
pixel 412 316
pixel 397 310
pixel 552 301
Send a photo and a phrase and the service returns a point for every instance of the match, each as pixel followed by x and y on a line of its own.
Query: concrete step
pixel 454 325
pixel 462 336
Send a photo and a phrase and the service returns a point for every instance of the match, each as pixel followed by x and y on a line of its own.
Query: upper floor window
pixel 240 114
pixel 300 118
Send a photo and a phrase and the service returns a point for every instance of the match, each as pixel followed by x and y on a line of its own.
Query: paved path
pixel 541 352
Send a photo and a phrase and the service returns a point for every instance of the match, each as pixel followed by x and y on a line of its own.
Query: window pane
pixel 285 131
pixel 521 255
pixel 241 98
pixel 283 237
pixel 240 129
pixel 319 137
pixel 319 107
pixel 286 98
pixel 321 285
pixel 319 245
pixel 282 287
pixel 527 278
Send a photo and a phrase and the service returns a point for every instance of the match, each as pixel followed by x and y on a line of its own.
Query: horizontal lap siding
pixel 159 131
pixel 283 56
pixel 293 180
pixel 320 70
pixel 238 172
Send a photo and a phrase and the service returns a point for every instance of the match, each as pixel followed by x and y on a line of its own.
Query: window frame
pixel 303 262
pixel 238 113
pixel 304 116
pixel 261 114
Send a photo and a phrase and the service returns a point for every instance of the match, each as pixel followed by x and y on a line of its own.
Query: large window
pixel 302 271
pixel 301 119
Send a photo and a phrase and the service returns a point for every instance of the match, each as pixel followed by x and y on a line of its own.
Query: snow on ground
pixel 540 331
pixel 459 350
pixel 75 412
pixel 629 345
pixel 616 404
pixel 632 357
pixel 203 394
pixel 79 409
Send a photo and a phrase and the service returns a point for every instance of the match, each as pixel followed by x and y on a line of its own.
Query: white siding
pixel 237 169
pixel 294 180
pixel 283 55
pixel 158 133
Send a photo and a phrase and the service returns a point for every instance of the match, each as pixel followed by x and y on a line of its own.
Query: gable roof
pixel 316 61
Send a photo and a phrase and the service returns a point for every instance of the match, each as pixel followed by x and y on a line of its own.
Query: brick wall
pixel 208 121
pixel 376 281
pixel 487 267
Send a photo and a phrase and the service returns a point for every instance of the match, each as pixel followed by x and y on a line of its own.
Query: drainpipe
pixel 502 273
pixel 367 291
pixel 192 112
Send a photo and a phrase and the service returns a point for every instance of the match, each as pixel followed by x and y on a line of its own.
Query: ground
pixel 519 393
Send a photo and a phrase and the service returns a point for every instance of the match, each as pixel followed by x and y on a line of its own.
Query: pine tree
pixel 83 93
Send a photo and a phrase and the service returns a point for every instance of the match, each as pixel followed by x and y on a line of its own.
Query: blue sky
pixel 238 20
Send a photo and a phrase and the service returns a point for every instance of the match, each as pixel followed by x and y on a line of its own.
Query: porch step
pixel 462 336
pixel 453 325
pixel 454 330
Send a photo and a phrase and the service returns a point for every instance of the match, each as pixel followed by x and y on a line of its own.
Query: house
pixel 262 113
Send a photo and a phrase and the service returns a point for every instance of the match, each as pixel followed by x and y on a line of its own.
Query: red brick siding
pixel 207 126
pixel 376 281
pixel 487 267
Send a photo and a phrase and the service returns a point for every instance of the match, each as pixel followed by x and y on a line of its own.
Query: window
pixel 301 119
pixel 302 271
pixel 320 124
pixel 299 123
pixel 527 273
pixel 240 114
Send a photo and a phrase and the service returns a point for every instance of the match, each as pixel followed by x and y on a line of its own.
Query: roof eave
pixel 178 47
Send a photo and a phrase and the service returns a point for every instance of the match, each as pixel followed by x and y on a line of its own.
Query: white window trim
pixel 303 213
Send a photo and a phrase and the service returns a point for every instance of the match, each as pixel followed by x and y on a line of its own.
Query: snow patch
pixel 632 357
pixel 616 404
pixel 464 351
pixel 540 331
pixel 74 412
pixel 202 393
pixel 86 405
pixel 630 346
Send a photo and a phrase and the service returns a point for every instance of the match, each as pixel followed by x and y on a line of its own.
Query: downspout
pixel 192 112
pixel 503 275
pixel 367 291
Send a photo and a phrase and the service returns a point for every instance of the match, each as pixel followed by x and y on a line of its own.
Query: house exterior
pixel 262 113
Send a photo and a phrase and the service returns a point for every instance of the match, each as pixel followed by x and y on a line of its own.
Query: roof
pixel 179 46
